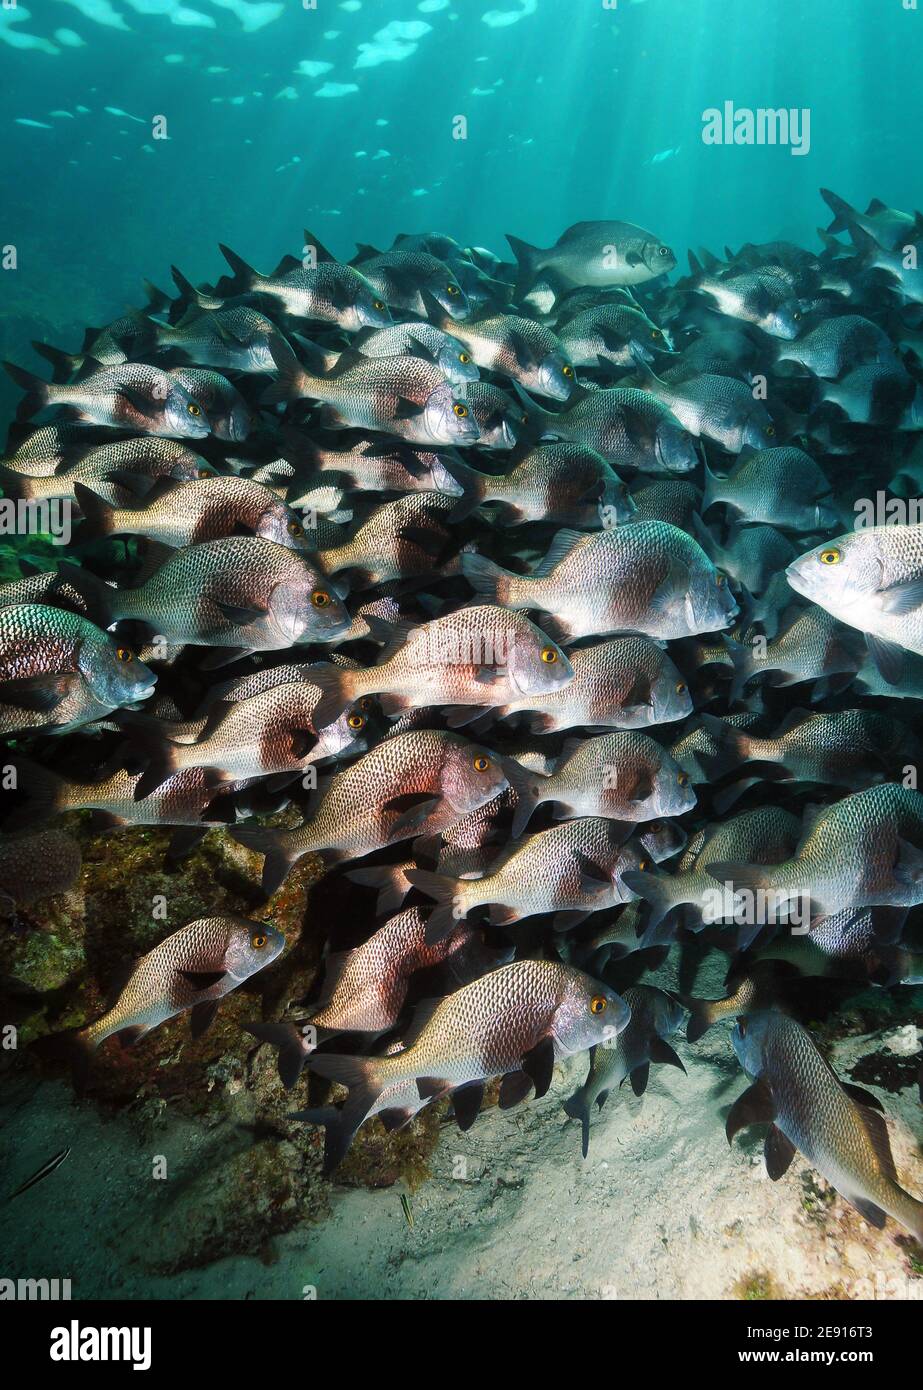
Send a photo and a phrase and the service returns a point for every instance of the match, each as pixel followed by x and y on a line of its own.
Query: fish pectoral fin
pixel 239 612
pixel 778 1152
pixel 901 598
pixel 661 1052
pixel 888 658
pixel 405 409
pixel 203 979
pixel 412 809
pixel 466 1103
pixel 138 401
pixel 862 1097
pixel 129 1036
pixel 514 1088
pixel 428 541
pixel 754 1107
pixel 873 1215
pixel 539 1064
pixel 202 1017
pixel 639 1078
pixel 39 693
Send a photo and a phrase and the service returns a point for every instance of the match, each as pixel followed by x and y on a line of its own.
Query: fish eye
pixel 720 579
pixel 599 1004
pixel 644 864
pixel 194 409
pixel 683 779
pixel 463 357
pixel 125 654
pixel 567 370
pixel 460 410
pixel 771 430
pixel 258 941
pixel 549 655
pixel 830 557
pixel 523 419
pixel 480 762
pixel 320 598
pixel 366 702
pixel 664 251
pixel 204 473
pixel 378 304
pixel 680 687
pixel 452 289
pixel 796 316
pixel 356 720
pixel 656 334
pixel 295 528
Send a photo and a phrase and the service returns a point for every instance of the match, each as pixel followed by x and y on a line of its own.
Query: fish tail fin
pixel 843 214
pixel 389 880
pixel 448 911
pixel 474 487
pixel 335 685
pixel 339 1133
pixel 279 859
pixel 37 396
pixel 528 787
pixel 486 577
pixel 658 892
pixel 527 258
pixel 97 512
pixel 292 1044
pixel 576 1107
pixel 358 1075
pixel 63 364
pixel 291 378
pixel 42 794
pixel 701 1016
pixel 713 484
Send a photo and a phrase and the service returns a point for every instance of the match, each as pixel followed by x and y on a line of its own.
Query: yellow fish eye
pixel 258 941
pixel 480 762
pixel 549 655
pixel 460 410
pixel 830 557
pixel 796 316
pixel 378 304
pixel 463 357
pixel 567 370
pixel 683 778
pixel 320 598
pixel 295 529
pixel 194 409
pixel 643 864
pixel 125 654
pixel 599 1004
pixel 356 721
pixel 204 473
pixel 656 334
pixel 720 579
pixel 680 687
pixel 452 289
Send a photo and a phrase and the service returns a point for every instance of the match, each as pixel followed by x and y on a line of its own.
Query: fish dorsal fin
pixel 392 636
pixel 324 257
pixel 876 205
pixel 562 545
pixel 793 718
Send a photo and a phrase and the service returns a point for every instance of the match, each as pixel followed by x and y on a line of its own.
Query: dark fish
pixel 43 1172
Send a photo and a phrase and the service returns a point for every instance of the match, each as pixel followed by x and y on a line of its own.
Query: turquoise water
pixel 341 118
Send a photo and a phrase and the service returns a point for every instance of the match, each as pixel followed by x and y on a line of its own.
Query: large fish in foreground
pixel 645 576
pixel 594 253
pixel 480 656
pixel 58 671
pixel 514 1022
pixel 837 1126
pixel 416 783
pixel 871 579
pixel 654 1016
pixel 191 970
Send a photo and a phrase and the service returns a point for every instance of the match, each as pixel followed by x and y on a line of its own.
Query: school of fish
pixel 571 610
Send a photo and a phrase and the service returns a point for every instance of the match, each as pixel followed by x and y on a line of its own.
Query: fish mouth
pixel 796 579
